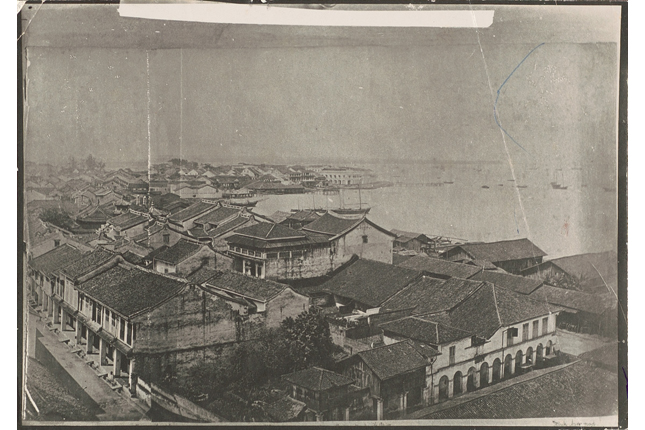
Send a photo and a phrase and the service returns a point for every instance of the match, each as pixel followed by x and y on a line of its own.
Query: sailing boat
pixel 346 211
pixel 557 183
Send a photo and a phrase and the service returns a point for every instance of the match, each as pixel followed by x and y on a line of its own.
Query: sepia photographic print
pixel 314 214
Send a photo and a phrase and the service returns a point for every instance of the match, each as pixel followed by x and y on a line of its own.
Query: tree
pixel 308 340
pixel 58 218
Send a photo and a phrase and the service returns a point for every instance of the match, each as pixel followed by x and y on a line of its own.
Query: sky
pixel 124 89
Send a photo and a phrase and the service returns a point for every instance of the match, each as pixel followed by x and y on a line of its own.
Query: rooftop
pixel 332 225
pixel 87 263
pixel 191 211
pixel 217 216
pixel 317 379
pixel 503 250
pixel 370 282
pixel 431 295
pixel 178 252
pixel 393 360
pixel 130 290
pixel 516 283
pixel 268 231
pixel 247 286
pixel 56 259
pixel 437 266
pixel 285 409
pixel 572 299
pixel 127 220
pixel 423 329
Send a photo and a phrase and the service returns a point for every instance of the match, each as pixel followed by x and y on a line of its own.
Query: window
pixel 545 325
pixel 107 317
pixel 56 243
pixel 165 270
pixel 122 330
pixel 113 320
pixel 166 238
pixel 452 355
pixel 129 340
pixel 525 332
pixel 365 238
pixel 536 325
pixel 510 334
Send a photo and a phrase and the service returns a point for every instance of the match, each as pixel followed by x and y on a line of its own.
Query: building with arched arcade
pixel 481 333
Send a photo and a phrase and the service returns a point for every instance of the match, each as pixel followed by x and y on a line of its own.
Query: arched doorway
pixel 529 355
pixel 470 382
pixel 508 366
pixel 497 370
pixel 443 388
pixel 456 384
pixel 539 355
pixel 483 375
pixel 518 361
pixel 549 348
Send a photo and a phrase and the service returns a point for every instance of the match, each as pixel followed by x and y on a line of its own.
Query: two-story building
pixel 511 255
pixel 184 219
pixel 482 333
pixel 186 256
pixel 128 224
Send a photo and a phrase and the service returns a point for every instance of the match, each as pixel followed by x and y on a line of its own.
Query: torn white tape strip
pixel 225 13
pixel 21 4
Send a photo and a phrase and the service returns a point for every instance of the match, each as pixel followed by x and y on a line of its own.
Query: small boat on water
pixel 500 185
pixel 521 186
pixel 557 186
pixel 448 182
pixel 246 204
pixel 485 187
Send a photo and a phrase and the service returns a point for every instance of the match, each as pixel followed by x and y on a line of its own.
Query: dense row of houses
pixel 168 283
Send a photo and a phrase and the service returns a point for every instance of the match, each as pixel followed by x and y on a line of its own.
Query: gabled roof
pixel 217 216
pixel 127 220
pixel 267 231
pixel 87 263
pixel 130 290
pixel 192 211
pixel 57 258
pixel 431 295
pixel 591 270
pixel 437 266
pixel 370 282
pixel 317 379
pixel 425 330
pixel 516 283
pixel 279 216
pixel 332 225
pixel 247 286
pixel 392 360
pixel 503 250
pixel 179 252
pixel 491 307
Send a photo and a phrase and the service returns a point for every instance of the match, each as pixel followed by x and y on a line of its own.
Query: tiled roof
pixel 56 259
pixel 332 225
pixel 317 379
pixel 178 252
pixel 285 409
pixel 392 360
pixel 267 231
pixel 430 295
pixel 516 283
pixel 370 282
pixel 254 288
pixel 130 290
pixel 503 250
pixel 577 390
pixel 491 307
pixel 437 266
pixel 192 211
pixel 605 356
pixel 228 226
pixel 304 216
pixel 202 275
pixel 217 216
pixel 422 328
pixel 87 263
pixel 279 216
pixel 589 266
pixel 572 299
pixel 131 257
pixel 127 220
